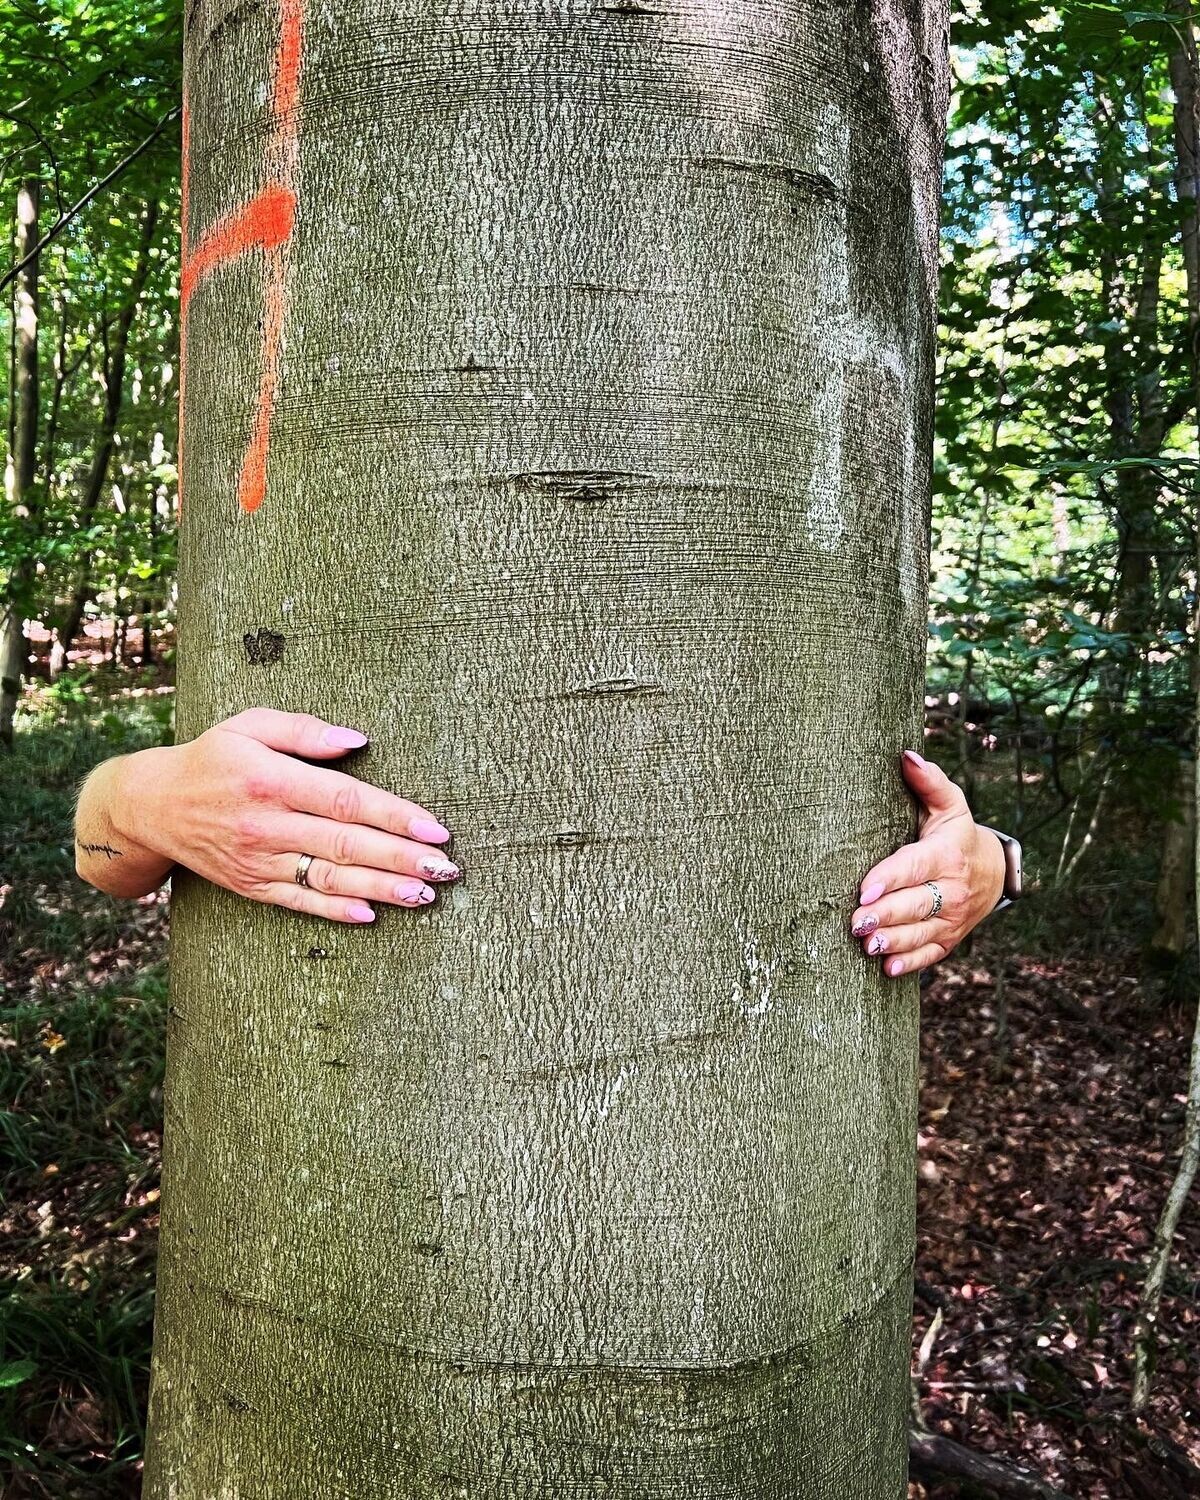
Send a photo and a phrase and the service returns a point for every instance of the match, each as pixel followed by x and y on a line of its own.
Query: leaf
pixel 15 1372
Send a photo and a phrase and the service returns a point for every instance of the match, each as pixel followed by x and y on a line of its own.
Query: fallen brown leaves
pixel 1052 1108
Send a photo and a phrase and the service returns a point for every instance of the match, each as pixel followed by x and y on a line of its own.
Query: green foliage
pixel 84 83
pixel 1066 438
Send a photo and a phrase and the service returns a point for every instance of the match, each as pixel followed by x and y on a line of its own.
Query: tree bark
pixel 573 441
pixel 14 646
pixel 1174 910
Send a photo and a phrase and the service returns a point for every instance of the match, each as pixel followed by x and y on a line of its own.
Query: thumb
pixel 295 734
pixel 940 796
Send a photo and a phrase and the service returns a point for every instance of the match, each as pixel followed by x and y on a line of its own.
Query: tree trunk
pixel 115 360
pixel 14 646
pixel 1175 917
pixel 573 442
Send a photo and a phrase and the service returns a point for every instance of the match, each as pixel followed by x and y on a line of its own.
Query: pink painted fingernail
pixel 440 869
pixel 915 759
pixel 896 967
pixel 359 911
pixel 343 739
pixel 864 925
pixel 872 892
pixel 878 944
pixel 428 830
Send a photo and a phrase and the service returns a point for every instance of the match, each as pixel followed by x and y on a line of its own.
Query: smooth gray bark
pixel 597 496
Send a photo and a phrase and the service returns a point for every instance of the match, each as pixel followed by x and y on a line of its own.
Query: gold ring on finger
pixel 303 867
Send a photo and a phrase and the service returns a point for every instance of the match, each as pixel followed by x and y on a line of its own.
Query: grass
pixel 82 1005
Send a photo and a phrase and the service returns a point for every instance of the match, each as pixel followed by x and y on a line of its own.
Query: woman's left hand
pixel 966 862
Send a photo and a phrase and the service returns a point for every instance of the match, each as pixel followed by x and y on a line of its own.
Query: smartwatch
pixel 1012 867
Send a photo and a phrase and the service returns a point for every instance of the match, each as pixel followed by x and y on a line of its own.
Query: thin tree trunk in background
pixel 114 395
pixel 1175 924
pixel 1185 81
pixel 14 647
pixel 575 444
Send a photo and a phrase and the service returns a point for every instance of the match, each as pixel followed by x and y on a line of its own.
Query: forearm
pixel 110 848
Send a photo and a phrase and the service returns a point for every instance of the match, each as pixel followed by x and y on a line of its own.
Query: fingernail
pixel 896 967
pixel 914 759
pixel 427 895
pixel 359 911
pixel 871 892
pixel 864 925
pixel 440 869
pixel 408 892
pixel 878 944
pixel 429 831
pixel 343 739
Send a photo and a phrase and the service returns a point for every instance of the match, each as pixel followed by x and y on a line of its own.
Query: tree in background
pixel 87 112
pixel 557 409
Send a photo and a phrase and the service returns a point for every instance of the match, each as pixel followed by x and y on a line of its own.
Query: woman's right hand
pixel 238 808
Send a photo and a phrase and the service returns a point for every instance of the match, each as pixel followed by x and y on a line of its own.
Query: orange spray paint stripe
pixel 183 255
pixel 264 223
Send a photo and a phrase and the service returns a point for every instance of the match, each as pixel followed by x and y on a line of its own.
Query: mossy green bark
pixel 598 497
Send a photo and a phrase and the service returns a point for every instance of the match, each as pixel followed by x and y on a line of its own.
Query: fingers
pixel 345 799
pixel 295 734
pixel 910 963
pixel 350 844
pixel 355 882
pixel 908 866
pixel 300 898
pixel 910 937
pixel 931 784
pixel 913 904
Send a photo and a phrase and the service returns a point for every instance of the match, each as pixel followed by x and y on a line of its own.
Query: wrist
pixel 995 866
pixel 133 801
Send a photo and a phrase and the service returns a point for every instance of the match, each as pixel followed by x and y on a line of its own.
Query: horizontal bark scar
pixel 630 8
pixel 587 485
pixel 605 687
pixel 811 186
pixel 657 1046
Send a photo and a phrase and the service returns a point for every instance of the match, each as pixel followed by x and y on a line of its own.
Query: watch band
pixel 1012 866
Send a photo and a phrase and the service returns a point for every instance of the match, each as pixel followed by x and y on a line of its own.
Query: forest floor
pixel 1051 1110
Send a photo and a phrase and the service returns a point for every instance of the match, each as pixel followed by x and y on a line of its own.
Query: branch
pixel 65 218
pixel 939 1455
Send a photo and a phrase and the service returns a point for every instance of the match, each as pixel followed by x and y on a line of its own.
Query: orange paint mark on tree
pixel 264 223
pixel 287 64
pixel 183 255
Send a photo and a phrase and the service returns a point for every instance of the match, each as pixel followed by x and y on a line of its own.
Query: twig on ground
pixel 931 1455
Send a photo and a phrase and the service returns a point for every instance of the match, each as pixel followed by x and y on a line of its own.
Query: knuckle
pixel 291 897
pixel 249 831
pixel 261 785
pixel 343 848
pixel 347 802
pixel 325 876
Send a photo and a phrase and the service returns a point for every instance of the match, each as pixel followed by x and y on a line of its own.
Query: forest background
pixel 1061 695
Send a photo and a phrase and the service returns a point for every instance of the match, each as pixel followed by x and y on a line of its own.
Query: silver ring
pixel 302 868
pixel 937 898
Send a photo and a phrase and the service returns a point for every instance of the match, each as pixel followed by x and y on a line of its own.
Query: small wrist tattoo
pixel 106 849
